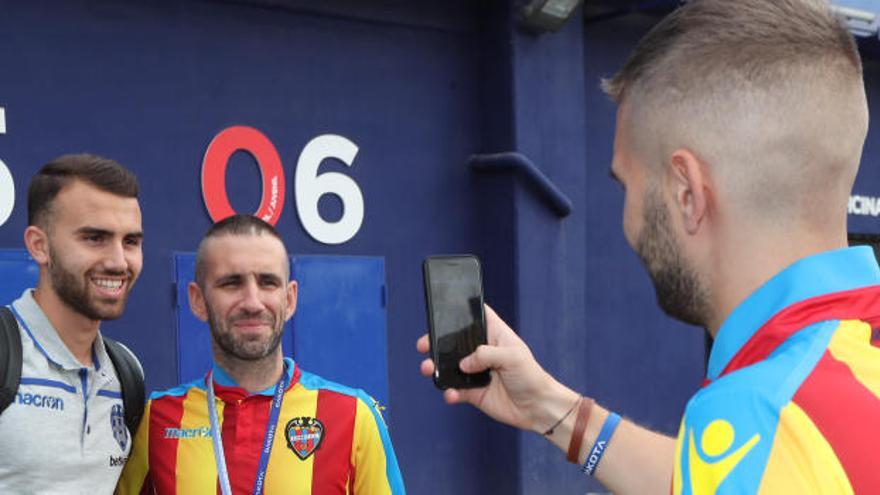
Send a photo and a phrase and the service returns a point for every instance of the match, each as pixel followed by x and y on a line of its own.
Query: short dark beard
pixel 233 348
pixel 73 292
pixel 679 289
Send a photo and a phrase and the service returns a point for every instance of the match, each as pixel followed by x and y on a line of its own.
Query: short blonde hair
pixel 769 93
pixel 754 39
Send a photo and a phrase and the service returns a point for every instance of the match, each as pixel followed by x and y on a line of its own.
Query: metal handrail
pixel 517 162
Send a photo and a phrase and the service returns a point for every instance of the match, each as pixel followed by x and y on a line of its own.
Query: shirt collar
pixel 224 380
pixel 824 273
pixel 46 338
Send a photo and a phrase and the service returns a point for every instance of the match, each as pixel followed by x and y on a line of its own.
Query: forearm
pixel 636 461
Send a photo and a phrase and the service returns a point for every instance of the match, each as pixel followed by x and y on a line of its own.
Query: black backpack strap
pixel 131 380
pixel 10 357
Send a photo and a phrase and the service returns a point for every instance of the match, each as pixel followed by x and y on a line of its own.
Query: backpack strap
pixel 127 370
pixel 10 357
pixel 131 380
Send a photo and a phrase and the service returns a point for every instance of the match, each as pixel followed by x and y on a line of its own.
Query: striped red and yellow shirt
pixel 330 439
pixel 791 402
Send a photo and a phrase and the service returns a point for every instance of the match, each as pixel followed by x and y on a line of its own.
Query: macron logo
pixel 41 401
pixel 184 433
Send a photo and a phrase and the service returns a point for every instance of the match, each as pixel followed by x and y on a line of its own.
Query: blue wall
pixel 419 87
pixel 868 179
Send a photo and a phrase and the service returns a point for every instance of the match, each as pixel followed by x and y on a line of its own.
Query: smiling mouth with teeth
pixel 111 285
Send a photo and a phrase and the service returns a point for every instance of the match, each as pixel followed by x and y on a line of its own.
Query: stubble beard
pixel 680 291
pixel 243 349
pixel 73 290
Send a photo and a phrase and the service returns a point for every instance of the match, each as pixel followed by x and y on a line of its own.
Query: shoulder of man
pixel 130 374
pixel 122 351
pixel 313 381
pixel 728 431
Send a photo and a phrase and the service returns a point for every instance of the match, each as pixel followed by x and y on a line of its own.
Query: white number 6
pixel 309 186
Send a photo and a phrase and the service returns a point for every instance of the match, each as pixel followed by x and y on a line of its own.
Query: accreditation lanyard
pixel 220 457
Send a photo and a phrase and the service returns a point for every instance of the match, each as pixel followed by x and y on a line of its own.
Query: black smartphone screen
pixel 457 325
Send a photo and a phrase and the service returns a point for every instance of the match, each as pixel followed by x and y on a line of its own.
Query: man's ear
pixel 690 186
pixel 197 301
pixel 292 290
pixel 37 243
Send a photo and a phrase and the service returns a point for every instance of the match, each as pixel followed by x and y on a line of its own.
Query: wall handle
pixel 514 161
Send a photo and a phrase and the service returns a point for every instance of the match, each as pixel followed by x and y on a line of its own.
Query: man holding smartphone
pixel 739 133
pixel 256 423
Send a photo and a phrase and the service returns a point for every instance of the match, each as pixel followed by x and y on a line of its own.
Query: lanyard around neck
pixel 217 440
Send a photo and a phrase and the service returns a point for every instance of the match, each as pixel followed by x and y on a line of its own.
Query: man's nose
pixel 114 259
pixel 251 297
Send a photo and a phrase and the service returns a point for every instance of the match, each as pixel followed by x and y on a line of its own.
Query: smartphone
pixel 456 322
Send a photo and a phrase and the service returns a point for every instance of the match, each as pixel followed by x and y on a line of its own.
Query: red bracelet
pixel 580 424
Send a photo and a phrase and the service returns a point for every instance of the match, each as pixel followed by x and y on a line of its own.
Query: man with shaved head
pixel 740 127
pixel 257 422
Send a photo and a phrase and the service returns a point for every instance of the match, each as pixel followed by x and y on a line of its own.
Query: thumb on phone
pixel 486 357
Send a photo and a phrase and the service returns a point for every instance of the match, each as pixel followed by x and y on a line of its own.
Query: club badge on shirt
pixel 117 423
pixel 304 436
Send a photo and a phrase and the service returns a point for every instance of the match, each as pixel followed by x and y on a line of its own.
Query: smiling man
pixel 64 431
pixel 257 423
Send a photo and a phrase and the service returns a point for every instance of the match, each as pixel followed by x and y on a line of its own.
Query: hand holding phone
pixel 456 323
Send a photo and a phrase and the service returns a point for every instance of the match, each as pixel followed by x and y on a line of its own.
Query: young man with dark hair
pixel 65 431
pixel 740 127
pixel 257 423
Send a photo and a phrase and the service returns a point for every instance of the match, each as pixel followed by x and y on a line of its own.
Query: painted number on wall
pixel 309 184
pixel 7 186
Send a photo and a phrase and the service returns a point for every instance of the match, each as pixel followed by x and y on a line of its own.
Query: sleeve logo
pixel 304 436
pixel 716 443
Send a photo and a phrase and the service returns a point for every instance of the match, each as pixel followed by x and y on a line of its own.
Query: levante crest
pixel 117 423
pixel 304 436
